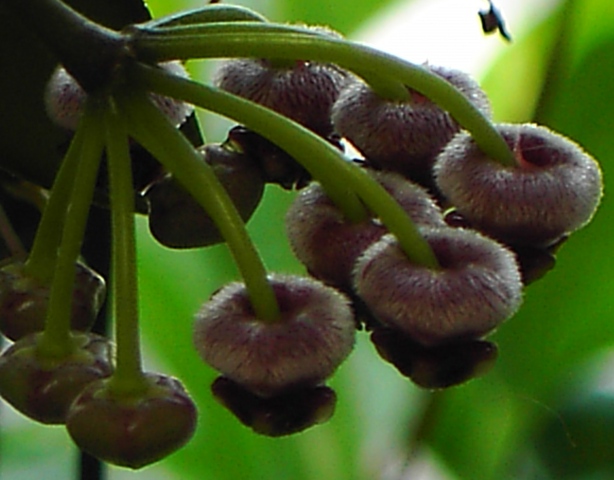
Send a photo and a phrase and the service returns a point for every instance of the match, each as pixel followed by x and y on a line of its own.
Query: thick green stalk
pixel 342 181
pixel 386 86
pixel 363 60
pixel 154 132
pixel 56 340
pixel 128 378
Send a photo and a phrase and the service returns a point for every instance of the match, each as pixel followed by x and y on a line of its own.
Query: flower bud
pixel 553 190
pixel 404 137
pixel 329 245
pixel 132 431
pixel 24 300
pixel 476 288
pixel 304 347
pixel 176 220
pixel 284 414
pixel 44 388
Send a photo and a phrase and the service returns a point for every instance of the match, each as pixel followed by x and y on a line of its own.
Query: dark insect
pixel 492 21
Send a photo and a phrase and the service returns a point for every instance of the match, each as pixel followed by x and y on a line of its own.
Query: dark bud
pixel 42 388
pixel 275 164
pixel 535 262
pixel 285 414
pixel 132 431
pixel 434 367
pixel 24 300
pixel 176 220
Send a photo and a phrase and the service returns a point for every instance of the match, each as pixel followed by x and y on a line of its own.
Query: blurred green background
pixel 546 410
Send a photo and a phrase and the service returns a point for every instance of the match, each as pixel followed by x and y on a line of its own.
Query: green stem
pixel 396 220
pixel 300 143
pixel 345 183
pixel 128 378
pixel 11 239
pixel 363 60
pixel 86 49
pixel 56 339
pixel 42 259
pixel 153 131
pixel 388 88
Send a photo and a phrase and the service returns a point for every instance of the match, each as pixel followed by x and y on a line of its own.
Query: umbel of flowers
pixel 427 241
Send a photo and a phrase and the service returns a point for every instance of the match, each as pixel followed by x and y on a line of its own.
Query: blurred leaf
pixel 340 15
pixel 580 442
pixel 519 73
pixel 26 457
pixel 566 317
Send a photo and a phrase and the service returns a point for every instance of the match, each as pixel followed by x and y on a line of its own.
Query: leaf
pixel 340 15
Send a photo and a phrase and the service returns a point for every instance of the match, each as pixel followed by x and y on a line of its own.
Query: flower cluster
pixel 427 241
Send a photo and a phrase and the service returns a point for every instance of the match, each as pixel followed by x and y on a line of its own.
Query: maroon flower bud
pixel 304 347
pixel 440 366
pixel 284 414
pixel 64 98
pixel 176 220
pixel 23 300
pixel 329 245
pixel 303 91
pixel 132 431
pixel 475 289
pixel 553 190
pixel 275 164
pixel 44 388
pixel 535 262
pixel 404 137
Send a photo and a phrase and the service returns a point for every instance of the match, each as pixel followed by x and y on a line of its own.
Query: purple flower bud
pixel 406 136
pixel 476 288
pixel 303 91
pixel 64 98
pixel 303 348
pixel 329 245
pixel 553 190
